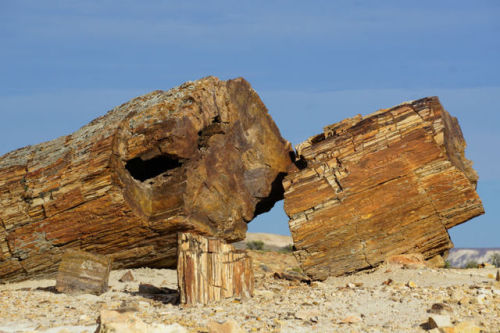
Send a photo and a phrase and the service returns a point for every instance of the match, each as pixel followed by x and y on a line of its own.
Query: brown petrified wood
pixel 205 156
pixel 388 183
pixel 81 272
pixel 209 270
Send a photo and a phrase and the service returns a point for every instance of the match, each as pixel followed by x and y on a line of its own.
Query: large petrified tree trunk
pixel 388 183
pixel 209 270
pixel 205 156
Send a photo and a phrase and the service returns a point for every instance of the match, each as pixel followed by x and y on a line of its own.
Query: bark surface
pixel 388 183
pixel 205 156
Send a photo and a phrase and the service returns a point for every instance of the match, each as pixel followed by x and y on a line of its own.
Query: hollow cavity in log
pixel 146 169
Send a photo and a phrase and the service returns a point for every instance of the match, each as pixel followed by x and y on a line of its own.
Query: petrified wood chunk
pixel 209 270
pixel 205 156
pixel 388 183
pixel 82 272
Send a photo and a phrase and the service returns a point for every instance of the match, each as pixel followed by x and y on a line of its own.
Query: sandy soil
pixel 362 302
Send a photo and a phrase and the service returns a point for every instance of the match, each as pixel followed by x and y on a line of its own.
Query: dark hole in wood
pixel 301 163
pixel 144 170
pixel 318 138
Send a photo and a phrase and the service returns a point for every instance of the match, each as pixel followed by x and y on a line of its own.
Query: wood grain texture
pixel 205 156
pixel 209 270
pixel 391 182
pixel 81 272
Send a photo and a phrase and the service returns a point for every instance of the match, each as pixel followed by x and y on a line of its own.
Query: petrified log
pixel 205 156
pixel 388 183
pixel 81 272
pixel 209 270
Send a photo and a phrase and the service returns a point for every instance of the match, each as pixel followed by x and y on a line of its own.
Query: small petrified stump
pixel 81 272
pixel 388 183
pixel 208 270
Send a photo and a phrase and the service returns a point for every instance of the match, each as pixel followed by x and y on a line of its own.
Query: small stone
pixel 387 282
pixel 411 284
pixel 464 300
pixel 127 277
pixel 350 320
pixel 351 285
pixel 439 308
pixel 317 284
pixel 438 321
pixel 229 326
pixel 467 327
pixel 498 276
pixel 435 262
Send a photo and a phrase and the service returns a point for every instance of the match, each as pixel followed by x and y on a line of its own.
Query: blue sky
pixel 64 63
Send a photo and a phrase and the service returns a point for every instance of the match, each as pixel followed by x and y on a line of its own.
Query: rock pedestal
pixel 205 156
pixel 388 183
pixel 210 270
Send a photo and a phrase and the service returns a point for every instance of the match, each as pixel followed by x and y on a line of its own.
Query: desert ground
pixel 390 298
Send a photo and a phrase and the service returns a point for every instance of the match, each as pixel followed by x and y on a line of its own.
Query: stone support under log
pixel 209 270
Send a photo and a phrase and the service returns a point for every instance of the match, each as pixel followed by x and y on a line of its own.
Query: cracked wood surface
pixel 204 156
pixel 391 182
pixel 209 270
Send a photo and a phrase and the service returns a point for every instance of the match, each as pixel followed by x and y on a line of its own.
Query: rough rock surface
pixel 81 272
pixel 204 156
pixel 388 183
pixel 209 270
pixel 361 302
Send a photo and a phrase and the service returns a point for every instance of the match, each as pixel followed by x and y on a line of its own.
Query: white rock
pixel 438 321
pixel 127 322
pixel 229 326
